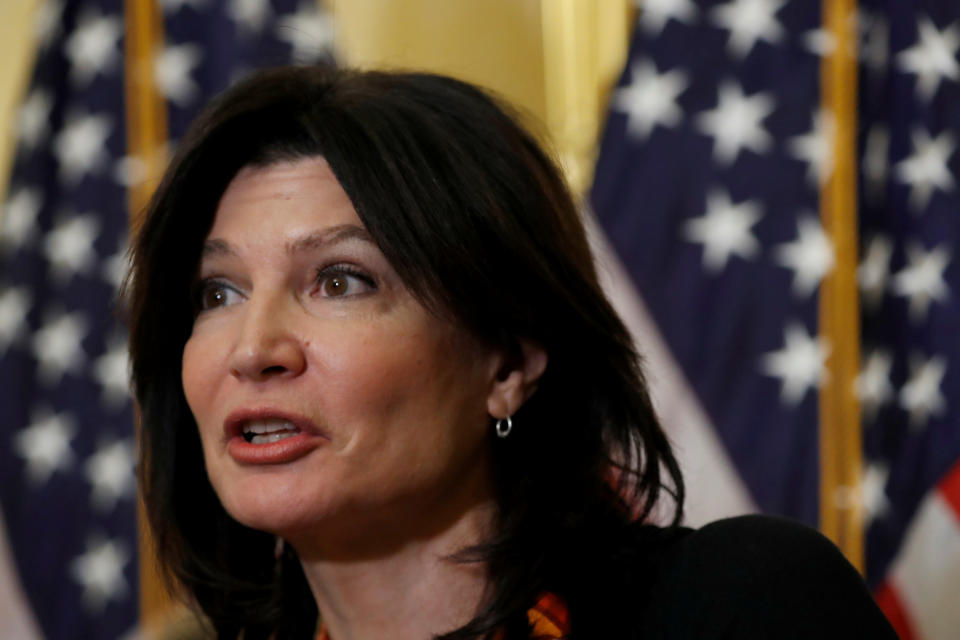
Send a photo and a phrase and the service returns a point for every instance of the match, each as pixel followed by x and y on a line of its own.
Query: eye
pixel 215 293
pixel 340 281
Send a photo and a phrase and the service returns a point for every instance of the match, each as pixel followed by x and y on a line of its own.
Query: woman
pixel 382 389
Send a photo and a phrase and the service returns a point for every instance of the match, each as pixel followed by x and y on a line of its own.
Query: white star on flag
pixel 250 15
pixel 20 217
pixel 735 123
pixel 921 396
pixel 922 279
pixel 114 268
pixel 93 47
pixel 112 371
pixel 876 161
pixel 725 230
pixel 873 485
pixel 873 384
pixel 69 246
pixel 45 445
pixel 309 31
pixel 129 170
pixel 819 42
pixel 870 494
pixel 100 572
pixel 14 305
pixel 748 22
pixel 816 147
pixel 654 14
pixel 810 256
pixel 650 98
pixel 926 169
pixel 800 364
pixel 81 146
pixel 874 49
pixel 33 118
pixel 172 71
pixel 934 57
pixel 874 270
pixel 57 346
pixel 110 472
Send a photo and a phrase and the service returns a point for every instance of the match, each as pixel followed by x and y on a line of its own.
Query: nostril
pixel 273 370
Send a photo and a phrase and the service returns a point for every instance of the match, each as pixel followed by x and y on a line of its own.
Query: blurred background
pixel 771 190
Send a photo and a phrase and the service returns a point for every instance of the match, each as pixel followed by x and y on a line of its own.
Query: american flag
pixel 707 189
pixel 67 439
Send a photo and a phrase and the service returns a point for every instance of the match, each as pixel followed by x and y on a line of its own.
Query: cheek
pixel 406 394
pixel 198 375
pixel 370 375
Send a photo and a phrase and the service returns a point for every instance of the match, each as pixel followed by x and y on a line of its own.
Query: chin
pixel 268 505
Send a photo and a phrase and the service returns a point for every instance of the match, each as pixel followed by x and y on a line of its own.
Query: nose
pixel 267 346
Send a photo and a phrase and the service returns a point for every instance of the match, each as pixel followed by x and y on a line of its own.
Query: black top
pixel 754 577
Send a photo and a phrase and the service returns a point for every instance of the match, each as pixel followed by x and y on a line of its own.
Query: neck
pixel 411 592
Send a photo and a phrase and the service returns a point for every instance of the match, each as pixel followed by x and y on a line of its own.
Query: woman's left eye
pixel 340 281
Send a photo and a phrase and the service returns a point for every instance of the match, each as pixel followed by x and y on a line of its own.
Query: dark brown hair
pixel 478 223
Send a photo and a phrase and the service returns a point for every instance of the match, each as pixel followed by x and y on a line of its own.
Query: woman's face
pixel 329 401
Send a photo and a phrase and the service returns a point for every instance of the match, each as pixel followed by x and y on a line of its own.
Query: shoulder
pixel 766 547
pixel 757 576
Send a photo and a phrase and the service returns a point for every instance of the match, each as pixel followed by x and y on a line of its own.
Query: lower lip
pixel 279 452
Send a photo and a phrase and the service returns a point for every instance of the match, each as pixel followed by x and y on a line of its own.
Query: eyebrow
pixel 310 242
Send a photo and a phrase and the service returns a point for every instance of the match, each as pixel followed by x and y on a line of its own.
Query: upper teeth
pixel 270 425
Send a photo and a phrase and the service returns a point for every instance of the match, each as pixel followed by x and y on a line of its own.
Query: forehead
pixel 297 195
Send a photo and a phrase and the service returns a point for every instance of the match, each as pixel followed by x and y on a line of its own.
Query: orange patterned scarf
pixel 548 618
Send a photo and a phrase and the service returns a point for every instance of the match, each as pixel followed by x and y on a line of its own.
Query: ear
pixel 516 379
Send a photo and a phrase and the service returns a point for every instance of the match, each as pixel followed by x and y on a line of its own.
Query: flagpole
pixel 841 511
pixel 146 108
pixel 146 143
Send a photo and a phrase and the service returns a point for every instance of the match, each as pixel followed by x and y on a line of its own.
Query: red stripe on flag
pixel 889 600
pixel 950 489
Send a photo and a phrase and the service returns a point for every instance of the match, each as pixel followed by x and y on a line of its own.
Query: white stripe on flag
pixel 927 570
pixel 16 619
pixel 714 489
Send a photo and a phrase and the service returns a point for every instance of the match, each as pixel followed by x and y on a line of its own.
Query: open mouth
pixel 268 430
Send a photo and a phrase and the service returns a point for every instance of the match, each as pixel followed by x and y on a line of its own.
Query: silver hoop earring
pixel 503 430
